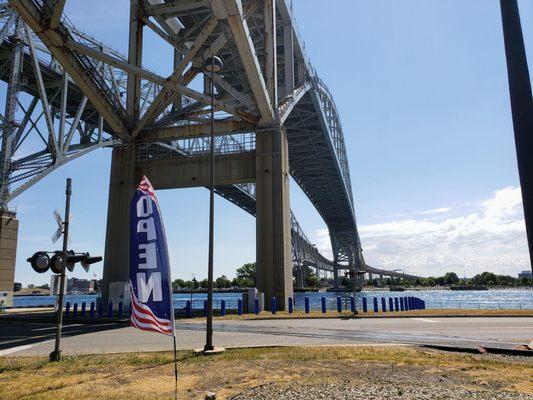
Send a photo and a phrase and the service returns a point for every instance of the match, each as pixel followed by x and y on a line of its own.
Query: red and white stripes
pixel 143 318
pixel 146 187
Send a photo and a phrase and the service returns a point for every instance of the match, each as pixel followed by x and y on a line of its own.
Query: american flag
pixel 150 285
pixel 143 318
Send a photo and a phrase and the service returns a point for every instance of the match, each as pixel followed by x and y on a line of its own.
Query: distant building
pixel 75 285
pixel 525 274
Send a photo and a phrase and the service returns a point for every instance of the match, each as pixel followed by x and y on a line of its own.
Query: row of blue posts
pixel 95 308
pixel 406 303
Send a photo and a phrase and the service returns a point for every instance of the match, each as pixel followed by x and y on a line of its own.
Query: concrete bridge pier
pixel 124 178
pixel 336 277
pixel 273 229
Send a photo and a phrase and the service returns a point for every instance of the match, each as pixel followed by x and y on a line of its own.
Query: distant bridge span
pixel 69 94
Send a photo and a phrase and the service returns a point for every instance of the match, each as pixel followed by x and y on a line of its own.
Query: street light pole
pixel 56 354
pixel 209 329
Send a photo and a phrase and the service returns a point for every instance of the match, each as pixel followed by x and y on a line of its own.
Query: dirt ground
pixel 151 375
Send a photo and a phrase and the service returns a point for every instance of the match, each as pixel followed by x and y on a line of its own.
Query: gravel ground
pixel 367 391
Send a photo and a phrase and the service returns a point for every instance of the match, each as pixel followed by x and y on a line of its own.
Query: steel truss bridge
pixel 68 94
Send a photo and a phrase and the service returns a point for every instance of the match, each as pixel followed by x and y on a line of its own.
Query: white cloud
pixel 440 210
pixel 492 238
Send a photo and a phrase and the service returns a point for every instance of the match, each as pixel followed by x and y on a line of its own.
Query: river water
pixel 435 299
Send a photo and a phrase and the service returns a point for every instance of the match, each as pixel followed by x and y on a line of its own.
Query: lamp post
pixel 212 65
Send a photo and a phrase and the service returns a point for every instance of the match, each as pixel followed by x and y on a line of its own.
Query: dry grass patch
pixel 150 375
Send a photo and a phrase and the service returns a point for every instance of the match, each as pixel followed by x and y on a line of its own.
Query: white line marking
pixel 425 320
pixel 15 349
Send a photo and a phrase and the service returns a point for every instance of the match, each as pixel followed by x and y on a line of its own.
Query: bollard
pixel 339 304
pixel 306 305
pixel 391 304
pixel 239 307
pixel 352 304
pixel 405 304
pixel 274 305
pixel 120 309
pixel 256 306
pixel 75 310
pixel 423 304
pixel 383 304
pixel 410 303
pixel 67 309
pixel 365 305
pixel 323 304
pixel 91 310
pixel 222 308
pixel 83 306
pixel 205 308
pixel 110 309
pixel 375 303
pixel 188 309
pixel 100 310
pixel 290 305
pixel 401 304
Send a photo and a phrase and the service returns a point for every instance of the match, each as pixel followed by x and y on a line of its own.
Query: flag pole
pixel 175 364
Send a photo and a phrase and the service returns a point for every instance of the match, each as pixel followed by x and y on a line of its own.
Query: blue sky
pixel 421 87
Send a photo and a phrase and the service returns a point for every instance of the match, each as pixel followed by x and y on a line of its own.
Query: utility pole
pixel 522 108
pixel 56 354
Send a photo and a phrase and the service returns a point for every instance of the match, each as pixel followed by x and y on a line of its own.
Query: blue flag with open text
pixel 150 285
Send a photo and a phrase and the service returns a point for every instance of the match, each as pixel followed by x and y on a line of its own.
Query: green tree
pixel 178 283
pixel 222 282
pixel 247 271
pixel 451 278
pixel 204 283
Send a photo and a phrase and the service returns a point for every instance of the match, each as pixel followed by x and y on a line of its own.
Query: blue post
pixel 75 310
pixel 423 304
pixel 222 308
pixel 391 304
pixel 83 307
pixel 205 308
pixel 100 310
pixel 339 304
pixel 375 304
pixel 91 310
pixel 120 309
pixel 306 301
pixel 323 304
pixel 352 304
pixel 239 306
pixel 67 309
pixel 256 306
pixel 396 304
pixel 274 305
pixel 188 309
pixel 110 309
pixel 401 304
pixel 365 306
pixel 290 305
pixel 405 304
pixel 383 304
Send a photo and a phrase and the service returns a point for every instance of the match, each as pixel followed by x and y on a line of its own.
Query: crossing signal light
pixel 40 262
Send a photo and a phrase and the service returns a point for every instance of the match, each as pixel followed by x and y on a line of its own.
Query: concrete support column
pixel 274 265
pixel 299 278
pixel 336 278
pixel 9 227
pixel 122 184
